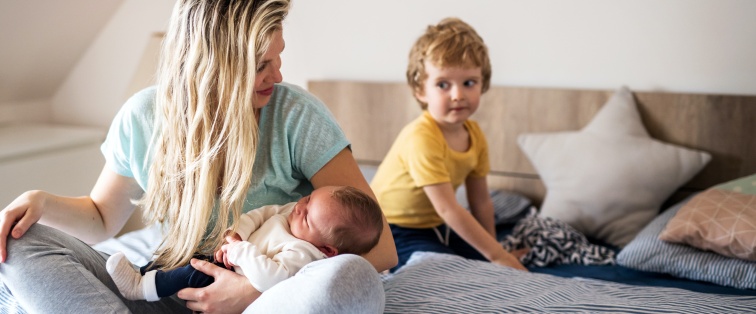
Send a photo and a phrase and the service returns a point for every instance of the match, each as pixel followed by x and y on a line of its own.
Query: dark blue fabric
pixel 168 283
pixel 629 276
pixel 410 240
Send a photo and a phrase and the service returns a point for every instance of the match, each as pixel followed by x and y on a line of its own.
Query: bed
pixel 688 144
pixel 626 162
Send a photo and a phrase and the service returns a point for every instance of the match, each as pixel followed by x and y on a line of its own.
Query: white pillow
pixel 609 179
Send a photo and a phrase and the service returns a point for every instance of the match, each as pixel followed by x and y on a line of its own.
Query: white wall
pixel 97 86
pixel 705 46
pixel 669 45
pixel 37 110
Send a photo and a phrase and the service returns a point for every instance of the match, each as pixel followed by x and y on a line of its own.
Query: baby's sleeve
pixel 264 272
pixel 253 219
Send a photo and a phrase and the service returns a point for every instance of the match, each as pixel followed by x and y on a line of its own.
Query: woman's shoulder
pixel 141 105
pixel 291 95
pixel 291 99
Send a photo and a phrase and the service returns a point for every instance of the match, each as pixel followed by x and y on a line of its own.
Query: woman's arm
pixel 343 170
pixel 464 224
pixel 232 293
pixel 481 205
pixel 90 218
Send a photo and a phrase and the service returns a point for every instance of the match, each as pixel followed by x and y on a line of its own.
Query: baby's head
pixel 451 43
pixel 338 220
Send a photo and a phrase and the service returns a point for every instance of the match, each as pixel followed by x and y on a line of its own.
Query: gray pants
pixel 48 271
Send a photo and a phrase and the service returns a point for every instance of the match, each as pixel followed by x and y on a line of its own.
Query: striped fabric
pixel 646 252
pixel 8 305
pixel 440 283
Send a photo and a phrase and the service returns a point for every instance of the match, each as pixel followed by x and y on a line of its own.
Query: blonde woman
pixel 219 135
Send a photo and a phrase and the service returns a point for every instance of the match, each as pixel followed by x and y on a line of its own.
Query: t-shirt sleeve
pixel 316 137
pixel 484 164
pixel 126 144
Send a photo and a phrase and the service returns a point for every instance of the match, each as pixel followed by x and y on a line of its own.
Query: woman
pixel 218 136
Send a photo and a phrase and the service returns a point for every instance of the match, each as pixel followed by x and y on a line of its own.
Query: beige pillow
pixel 609 179
pixel 721 219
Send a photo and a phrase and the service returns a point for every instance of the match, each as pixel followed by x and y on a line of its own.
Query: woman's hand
pixel 19 216
pixel 230 293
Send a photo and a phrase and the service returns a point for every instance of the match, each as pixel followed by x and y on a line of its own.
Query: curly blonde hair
pixel 450 43
pixel 203 159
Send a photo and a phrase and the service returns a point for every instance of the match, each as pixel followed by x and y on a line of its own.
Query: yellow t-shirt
pixel 420 156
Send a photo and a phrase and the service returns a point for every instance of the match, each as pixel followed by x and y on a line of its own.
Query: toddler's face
pixel 452 94
pixel 313 215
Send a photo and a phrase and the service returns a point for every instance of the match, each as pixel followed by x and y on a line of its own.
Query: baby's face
pixel 313 215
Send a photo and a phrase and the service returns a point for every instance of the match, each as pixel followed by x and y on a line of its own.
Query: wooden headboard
pixel 373 113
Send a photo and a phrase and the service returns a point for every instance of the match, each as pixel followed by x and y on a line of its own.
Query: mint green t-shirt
pixel 298 136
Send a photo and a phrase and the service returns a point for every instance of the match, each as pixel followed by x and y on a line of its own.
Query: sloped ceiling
pixel 41 41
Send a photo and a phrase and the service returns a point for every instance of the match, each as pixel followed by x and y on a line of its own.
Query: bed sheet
pixel 442 283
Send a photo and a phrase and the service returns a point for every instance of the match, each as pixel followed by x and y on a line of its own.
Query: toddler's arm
pixel 481 205
pixel 464 224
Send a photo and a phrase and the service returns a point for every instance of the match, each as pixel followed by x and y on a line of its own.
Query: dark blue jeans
pixel 170 282
pixel 411 240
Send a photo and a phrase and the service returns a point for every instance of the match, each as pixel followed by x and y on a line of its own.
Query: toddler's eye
pixel 442 85
pixel 470 83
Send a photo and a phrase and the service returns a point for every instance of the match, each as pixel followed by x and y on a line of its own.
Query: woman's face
pixel 269 71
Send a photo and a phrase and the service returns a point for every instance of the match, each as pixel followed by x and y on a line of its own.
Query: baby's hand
pixel 233 238
pixel 221 255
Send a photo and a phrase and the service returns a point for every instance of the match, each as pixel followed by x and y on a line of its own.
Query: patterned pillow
pixel 647 253
pixel 551 241
pixel 721 219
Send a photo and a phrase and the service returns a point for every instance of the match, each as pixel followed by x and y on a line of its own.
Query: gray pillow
pixel 647 253
pixel 509 206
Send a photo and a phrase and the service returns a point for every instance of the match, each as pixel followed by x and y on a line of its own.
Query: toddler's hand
pixel 510 261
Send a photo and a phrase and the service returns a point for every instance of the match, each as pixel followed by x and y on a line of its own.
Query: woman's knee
pixel 340 284
pixel 345 265
pixel 34 236
pixel 39 239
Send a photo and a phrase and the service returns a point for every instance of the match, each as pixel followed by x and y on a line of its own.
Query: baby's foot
pixel 128 279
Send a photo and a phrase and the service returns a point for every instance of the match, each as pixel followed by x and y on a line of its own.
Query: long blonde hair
pixel 208 130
